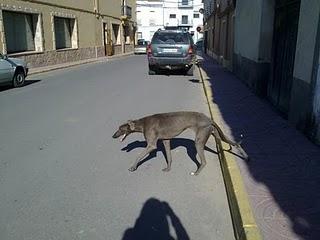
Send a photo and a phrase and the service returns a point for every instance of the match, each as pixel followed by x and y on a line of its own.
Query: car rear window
pixel 141 42
pixel 170 38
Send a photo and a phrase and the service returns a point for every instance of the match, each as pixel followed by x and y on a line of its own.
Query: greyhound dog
pixel 165 126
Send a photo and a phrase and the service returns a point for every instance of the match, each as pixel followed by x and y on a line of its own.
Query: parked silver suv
pixel 12 71
pixel 171 50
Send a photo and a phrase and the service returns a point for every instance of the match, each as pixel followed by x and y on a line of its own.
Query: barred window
pixel 184 19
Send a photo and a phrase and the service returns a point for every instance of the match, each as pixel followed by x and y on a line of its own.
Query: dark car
pixel 171 50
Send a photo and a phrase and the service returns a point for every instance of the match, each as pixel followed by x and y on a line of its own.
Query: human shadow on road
pixel 174 143
pixel 153 223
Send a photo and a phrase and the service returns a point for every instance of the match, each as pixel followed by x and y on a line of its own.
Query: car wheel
pixel 18 79
pixel 189 72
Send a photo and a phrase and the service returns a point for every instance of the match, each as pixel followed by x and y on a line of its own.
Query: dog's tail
pixel 231 143
pixel 224 137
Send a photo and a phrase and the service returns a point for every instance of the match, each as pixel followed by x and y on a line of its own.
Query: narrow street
pixel 62 176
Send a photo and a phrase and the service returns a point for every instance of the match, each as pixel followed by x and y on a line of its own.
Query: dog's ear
pixel 131 124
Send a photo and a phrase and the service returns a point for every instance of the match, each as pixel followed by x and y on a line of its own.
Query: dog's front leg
pixel 146 151
pixel 166 144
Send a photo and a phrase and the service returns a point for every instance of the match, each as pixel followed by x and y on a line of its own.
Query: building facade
pixel 155 14
pixel 57 31
pixel 149 18
pixel 219 30
pixel 276 53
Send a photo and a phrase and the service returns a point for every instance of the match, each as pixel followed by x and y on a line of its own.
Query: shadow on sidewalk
pixel 283 176
pixel 153 223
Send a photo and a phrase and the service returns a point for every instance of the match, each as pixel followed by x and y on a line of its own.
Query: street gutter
pixel 244 224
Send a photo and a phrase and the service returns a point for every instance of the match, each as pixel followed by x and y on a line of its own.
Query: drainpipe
pixel 97 14
pixel 122 32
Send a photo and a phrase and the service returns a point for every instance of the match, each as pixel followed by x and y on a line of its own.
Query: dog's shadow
pixel 174 143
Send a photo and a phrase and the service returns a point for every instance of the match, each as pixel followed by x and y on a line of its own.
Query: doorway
pixel 283 55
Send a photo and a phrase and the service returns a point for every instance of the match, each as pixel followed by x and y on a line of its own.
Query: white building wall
pixel 152 15
pixel 149 18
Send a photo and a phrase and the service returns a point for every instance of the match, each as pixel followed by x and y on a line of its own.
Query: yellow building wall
pixel 89 16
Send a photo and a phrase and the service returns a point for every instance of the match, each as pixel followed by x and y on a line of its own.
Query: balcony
pixel 126 12
pixel 185 3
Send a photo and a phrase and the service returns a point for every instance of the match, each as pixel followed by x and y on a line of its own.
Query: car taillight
pixel 149 49
pixel 190 50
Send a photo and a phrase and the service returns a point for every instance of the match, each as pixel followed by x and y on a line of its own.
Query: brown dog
pixel 165 126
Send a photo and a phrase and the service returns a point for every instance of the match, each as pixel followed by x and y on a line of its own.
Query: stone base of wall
pixel 127 48
pixel 221 60
pixel 60 56
pixel 254 74
pixel 300 107
pixel 117 49
pixel 48 58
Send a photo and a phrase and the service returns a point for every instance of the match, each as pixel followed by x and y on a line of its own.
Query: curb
pixel 244 224
pixel 33 71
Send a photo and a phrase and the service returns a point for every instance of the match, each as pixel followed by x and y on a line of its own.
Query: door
pixel 283 56
pixel 105 37
pixel 108 46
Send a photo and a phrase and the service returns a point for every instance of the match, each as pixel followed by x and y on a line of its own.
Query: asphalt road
pixel 62 176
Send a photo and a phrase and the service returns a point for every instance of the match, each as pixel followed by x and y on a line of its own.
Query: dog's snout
pixel 116 134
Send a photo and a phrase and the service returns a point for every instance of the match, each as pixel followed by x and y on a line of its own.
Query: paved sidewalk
pixel 37 70
pixel 283 177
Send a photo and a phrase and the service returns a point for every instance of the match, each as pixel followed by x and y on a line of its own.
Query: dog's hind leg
pixel 201 139
pixel 166 144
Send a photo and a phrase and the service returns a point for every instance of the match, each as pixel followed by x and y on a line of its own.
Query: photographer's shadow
pixel 174 143
pixel 153 223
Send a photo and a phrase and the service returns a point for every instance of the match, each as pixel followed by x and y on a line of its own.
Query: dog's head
pixel 124 130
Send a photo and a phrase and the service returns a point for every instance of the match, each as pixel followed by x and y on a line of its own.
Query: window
pixel 64 30
pixel 172 16
pixel 185 2
pixel 196 15
pixel 139 35
pixel 184 19
pixel 20 30
pixel 127 34
pixel 116 34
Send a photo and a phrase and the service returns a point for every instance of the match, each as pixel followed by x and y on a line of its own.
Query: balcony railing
pixel 185 3
pixel 126 11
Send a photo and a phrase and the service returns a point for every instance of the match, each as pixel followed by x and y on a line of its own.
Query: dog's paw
pixel 166 169
pixel 193 173
pixel 132 169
